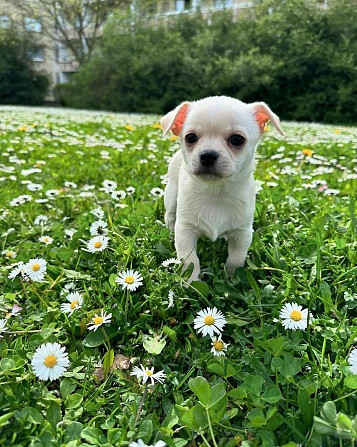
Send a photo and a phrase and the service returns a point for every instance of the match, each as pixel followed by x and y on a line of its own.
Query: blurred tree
pixel 74 23
pixel 19 82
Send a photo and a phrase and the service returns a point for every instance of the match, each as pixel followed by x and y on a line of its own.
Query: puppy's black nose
pixel 208 158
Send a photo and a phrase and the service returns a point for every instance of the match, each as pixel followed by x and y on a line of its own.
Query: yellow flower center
pixel 307 152
pixel 8 315
pixel 97 244
pixel 129 279
pixel 45 239
pixel 36 267
pixel 98 320
pixel 218 345
pixel 74 304
pixel 296 315
pixel 9 254
pixel 149 373
pixel 50 361
pixel 209 320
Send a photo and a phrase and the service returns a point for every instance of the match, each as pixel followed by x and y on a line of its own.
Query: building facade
pixel 54 57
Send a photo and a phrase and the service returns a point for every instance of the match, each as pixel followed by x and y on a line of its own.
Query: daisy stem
pixel 25 291
pixel 106 338
pixel 204 439
pixel 210 428
pixel 38 295
pixel 140 409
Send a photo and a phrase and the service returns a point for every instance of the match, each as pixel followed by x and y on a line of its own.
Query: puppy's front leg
pixel 238 244
pixel 186 242
pixel 170 201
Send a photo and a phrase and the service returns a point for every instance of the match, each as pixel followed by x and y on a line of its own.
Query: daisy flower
pixel 50 361
pixel 130 190
pixel 129 279
pixel 209 321
pixel 157 192
pixel 17 270
pixel 98 212
pixel 14 311
pixel 218 346
pixel 69 232
pixel 3 327
pixel 146 374
pixel 117 195
pixel 98 228
pixel 68 288
pixel 46 239
pixel 141 443
pixel 170 261
pixel 98 320
pixel 40 220
pixel 109 186
pixel 35 269
pixel 352 360
pixel 75 302
pixel 294 316
pixel 9 254
pixel 97 243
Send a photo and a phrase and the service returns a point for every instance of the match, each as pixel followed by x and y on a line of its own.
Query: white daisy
pixel 157 192
pixel 218 346
pixel 50 361
pixel 52 192
pixel 352 360
pixel 40 220
pixel 109 186
pixel 98 320
pixel 209 321
pixel 3 327
pixel 46 239
pixel 98 228
pixel 141 443
pixel 117 195
pixel 97 243
pixel 14 311
pixel 9 254
pixel 98 212
pixel 75 302
pixel 171 297
pixel 35 269
pixel 294 316
pixel 68 288
pixel 130 190
pixel 129 279
pixel 19 269
pixel 170 261
pixel 69 232
pixel 147 373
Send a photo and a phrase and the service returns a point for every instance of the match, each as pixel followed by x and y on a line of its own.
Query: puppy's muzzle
pixel 208 158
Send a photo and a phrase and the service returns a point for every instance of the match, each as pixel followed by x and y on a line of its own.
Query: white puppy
pixel 211 188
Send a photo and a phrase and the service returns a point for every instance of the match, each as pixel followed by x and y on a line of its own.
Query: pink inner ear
pixel 179 120
pixel 262 119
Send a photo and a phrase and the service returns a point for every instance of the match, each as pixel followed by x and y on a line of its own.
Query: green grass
pixel 275 387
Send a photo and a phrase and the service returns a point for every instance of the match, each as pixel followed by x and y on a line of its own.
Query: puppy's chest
pixel 216 215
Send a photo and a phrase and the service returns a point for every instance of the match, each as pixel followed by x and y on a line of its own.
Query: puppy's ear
pixel 263 114
pixel 175 119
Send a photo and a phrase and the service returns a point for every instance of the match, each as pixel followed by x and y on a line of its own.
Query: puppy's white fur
pixel 219 200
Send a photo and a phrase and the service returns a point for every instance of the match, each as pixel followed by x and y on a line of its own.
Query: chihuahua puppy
pixel 211 187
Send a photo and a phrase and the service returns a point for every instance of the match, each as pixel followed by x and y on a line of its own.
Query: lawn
pixel 82 212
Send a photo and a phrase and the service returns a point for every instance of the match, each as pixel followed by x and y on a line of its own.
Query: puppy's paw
pixel 231 268
pixel 170 221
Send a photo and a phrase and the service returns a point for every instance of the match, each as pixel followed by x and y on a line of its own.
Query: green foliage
pixel 295 55
pixel 19 82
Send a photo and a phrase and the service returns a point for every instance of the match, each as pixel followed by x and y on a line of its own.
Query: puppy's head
pixel 218 134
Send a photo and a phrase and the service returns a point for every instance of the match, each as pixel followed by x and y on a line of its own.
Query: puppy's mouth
pixel 208 174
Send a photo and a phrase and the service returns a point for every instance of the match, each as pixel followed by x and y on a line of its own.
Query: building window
pixel 36 55
pixel 183 5
pixel 5 22
pixel 64 54
pixel 222 3
pixel 32 25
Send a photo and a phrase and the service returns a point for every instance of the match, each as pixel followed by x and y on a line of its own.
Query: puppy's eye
pixel 236 140
pixel 191 138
